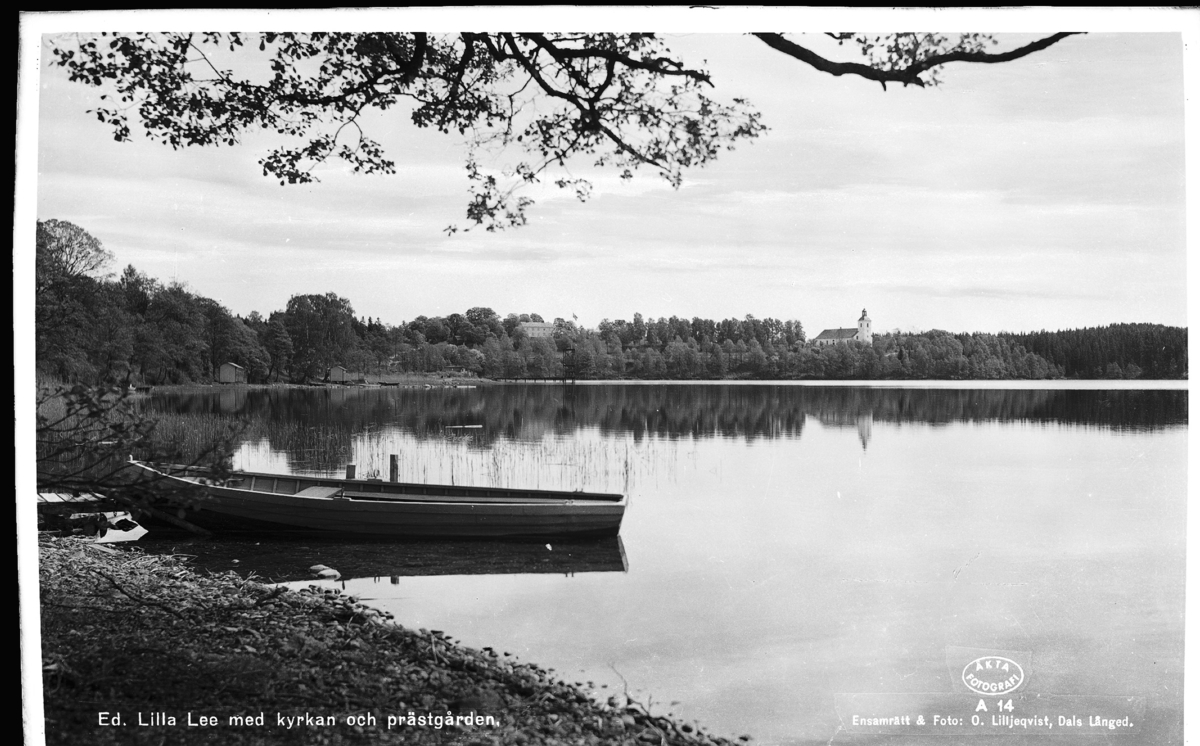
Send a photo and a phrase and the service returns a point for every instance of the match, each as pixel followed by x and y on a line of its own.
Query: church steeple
pixel 864 328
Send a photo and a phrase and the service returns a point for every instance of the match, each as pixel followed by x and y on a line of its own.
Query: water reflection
pixel 300 419
pixel 281 561
pixel 789 544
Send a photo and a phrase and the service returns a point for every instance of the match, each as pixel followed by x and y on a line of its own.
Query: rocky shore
pixel 142 649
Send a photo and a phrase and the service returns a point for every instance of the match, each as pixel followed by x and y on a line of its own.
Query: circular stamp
pixel 993 675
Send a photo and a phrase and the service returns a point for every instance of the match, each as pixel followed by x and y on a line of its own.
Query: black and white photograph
pixel 701 376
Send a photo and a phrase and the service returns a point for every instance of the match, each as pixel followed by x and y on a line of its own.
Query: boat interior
pixel 379 490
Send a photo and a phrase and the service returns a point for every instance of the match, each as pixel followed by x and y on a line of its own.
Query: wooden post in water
pixel 350 471
pixel 394 471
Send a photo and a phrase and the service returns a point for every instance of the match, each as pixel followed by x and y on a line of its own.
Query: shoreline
pixel 194 658
pixel 408 381
pixel 1079 384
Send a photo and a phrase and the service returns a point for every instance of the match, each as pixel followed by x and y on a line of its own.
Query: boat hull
pixel 359 513
pixel 408 519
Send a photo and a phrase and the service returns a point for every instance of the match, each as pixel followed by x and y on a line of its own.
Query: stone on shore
pixel 147 637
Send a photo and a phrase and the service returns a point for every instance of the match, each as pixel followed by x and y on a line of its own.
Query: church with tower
pixel 835 336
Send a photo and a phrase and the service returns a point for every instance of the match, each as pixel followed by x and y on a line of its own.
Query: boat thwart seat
pixel 319 491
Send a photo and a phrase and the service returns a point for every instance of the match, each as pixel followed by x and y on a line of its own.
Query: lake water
pixel 784 545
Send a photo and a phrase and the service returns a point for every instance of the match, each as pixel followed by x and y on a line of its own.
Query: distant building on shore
pixel 536 329
pixel 231 373
pixel 836 336
pixel 338 374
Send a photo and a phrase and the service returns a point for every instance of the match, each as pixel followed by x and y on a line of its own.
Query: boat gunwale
pixel 244 493
pixel 394 495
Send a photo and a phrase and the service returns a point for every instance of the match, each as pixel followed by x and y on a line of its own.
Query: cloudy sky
pixel 1042 193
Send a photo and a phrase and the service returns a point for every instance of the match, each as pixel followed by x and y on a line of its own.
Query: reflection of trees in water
pixel 320 448
pixel 325 421
pixel 771 411
pixel 585 461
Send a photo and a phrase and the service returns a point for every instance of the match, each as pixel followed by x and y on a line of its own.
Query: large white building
pixel 536 329
pixel 834 336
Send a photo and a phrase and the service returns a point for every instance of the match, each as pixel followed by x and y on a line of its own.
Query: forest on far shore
pixel 133 329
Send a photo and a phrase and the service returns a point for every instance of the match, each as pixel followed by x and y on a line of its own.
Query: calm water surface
pixel 784 544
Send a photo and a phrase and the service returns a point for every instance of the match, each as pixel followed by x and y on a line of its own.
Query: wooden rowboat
pixel 255 502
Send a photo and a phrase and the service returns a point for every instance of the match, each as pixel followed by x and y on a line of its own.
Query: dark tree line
pixel 134 329
pixel 1114 351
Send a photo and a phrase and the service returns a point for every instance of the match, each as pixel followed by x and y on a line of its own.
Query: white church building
pixel 835 336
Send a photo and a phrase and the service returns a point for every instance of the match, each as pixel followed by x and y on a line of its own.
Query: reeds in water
pixel 580 458
pixel 86 435
pixel 585 461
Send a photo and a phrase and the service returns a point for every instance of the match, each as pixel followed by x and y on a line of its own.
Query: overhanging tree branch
pixel 622 100
pixel 909 74
pixel 588 120
pixel 657 65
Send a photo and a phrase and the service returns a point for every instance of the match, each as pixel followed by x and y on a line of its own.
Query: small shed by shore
pixel 338 374
pixel 231 373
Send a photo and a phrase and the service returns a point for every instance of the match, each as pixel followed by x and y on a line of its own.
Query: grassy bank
pixel 148 638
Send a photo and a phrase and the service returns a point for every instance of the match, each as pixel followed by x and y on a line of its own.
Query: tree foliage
pixel 86 434
pixel 134 329
pixel 1114 351
pixel 536 102
pixel 66 252
pixel 321 331
pixel 69 299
